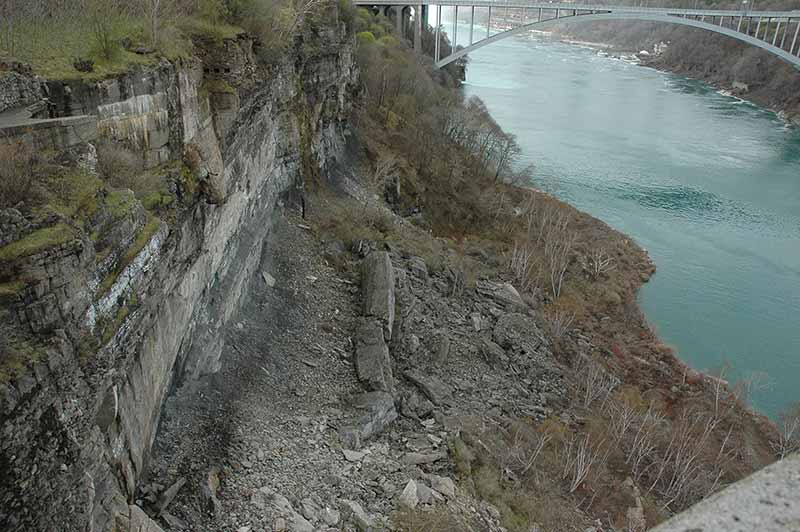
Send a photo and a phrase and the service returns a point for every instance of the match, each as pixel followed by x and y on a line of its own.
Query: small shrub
pixel 365 37
pixel 17 168
pixel 83 65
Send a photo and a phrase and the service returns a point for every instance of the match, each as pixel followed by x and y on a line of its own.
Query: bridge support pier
pixel 398 21
pixel 418 27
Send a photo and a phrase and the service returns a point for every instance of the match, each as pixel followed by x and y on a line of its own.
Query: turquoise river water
pixel 707 183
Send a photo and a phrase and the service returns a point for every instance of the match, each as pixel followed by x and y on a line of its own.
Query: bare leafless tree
pixel 789 432
pixel 679 467
pixel 597 384
pixel 558 242
pixel 640 453
pixel 154 12
pixel 600 263
pixel 525 447
pixel 579 456
pixel 623 418
pixel 560 322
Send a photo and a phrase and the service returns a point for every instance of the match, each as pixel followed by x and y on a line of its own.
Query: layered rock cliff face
pixel 78 419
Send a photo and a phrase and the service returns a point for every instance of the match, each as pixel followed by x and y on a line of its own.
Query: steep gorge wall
pixel 77 428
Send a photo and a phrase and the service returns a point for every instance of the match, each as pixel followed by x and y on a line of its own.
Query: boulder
pixel 493 352
pixel 353 456
pixel 373 363
pixel 169 494
pixel 135 520
pixel 209 491
pixel 518 332
pixel 427 495
pixel 282 509
pixel 408 497
pixel 377 287
pixel 330 516
pixel 356 515
pixel 268 279
pixel 431 386
pixel 376 411
pixel 443 485
pixel 416 406
pixel 503 293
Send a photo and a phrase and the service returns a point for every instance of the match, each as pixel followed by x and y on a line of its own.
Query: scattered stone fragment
pixel 209 491
pixel 330 516
pixel 477 321
pixel 310 510
pixel 294 521
pixel 408 497
pixel 268 279
pixel 493 352
pixel 377 412
pixel 173 522
pixel 443 485
pixel 426 495
pixel 169 494
pixel 442 351
pixel 352 456
pixel 356 514
pixel 413 343
pixel 423 458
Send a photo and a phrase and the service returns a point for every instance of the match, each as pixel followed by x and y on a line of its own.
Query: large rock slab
pixel 135 520
pixel 503 293
pixel 376 411
pixel 373 363
pixel 431 386
pixel 377 287
pixel 765 501
pixel 518 332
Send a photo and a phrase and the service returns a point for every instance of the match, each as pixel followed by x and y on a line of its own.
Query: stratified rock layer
pixel 77 428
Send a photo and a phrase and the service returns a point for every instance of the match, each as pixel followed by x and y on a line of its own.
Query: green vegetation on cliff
pixel 94 39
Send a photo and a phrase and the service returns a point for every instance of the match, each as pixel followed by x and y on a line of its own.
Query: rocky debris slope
pixel 274 421
pixel 326 415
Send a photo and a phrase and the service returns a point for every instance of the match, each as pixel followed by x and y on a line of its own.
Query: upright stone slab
pixel 373 364
pixel 377 286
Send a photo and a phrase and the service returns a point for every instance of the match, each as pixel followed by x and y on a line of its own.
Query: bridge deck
pixel 566 6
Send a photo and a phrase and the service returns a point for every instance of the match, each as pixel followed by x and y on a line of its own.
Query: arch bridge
pixel 777 32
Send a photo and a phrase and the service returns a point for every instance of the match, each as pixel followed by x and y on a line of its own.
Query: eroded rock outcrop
pixel 78 422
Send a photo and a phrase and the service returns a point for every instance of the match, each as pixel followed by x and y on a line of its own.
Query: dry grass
pixel 17 168
pixel 427 520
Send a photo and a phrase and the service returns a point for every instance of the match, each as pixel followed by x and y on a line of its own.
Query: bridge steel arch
pixel 738 26
pixel 667 19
